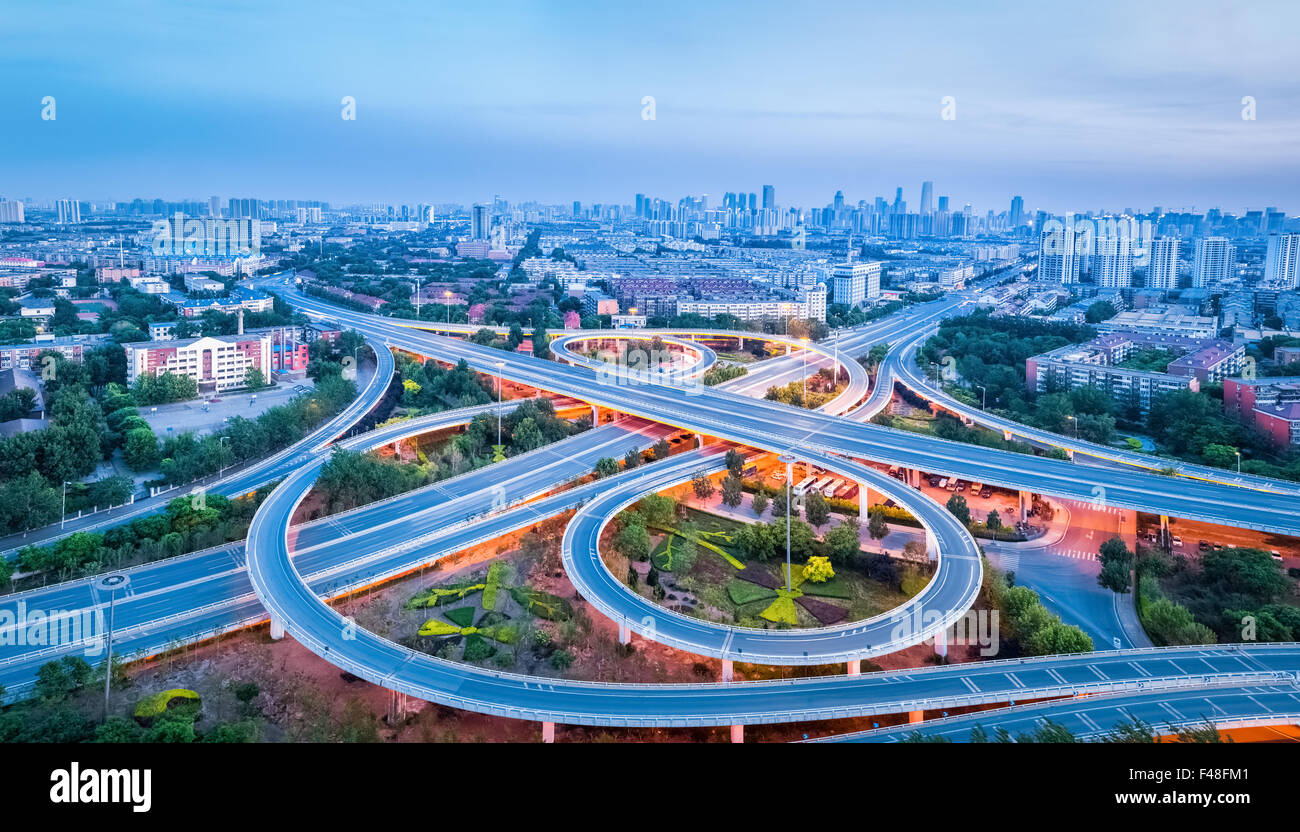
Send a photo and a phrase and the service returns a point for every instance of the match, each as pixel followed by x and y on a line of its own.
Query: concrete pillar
pixel 864 501
pixel 728 668
pixel 595 415
pixel 855 667
pixel 931 545
pixel 1069 454
pixel 277 629
pixel 1026 500
pixel 1006 435
pixel 548 732
pixel 699 440
pixel 941 643
pixel 1164 523
pixel 787 349
pixel 915 716
pixel 737 733
pixel 624 634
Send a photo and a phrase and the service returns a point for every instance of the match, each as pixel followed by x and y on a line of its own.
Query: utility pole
pixel 789 460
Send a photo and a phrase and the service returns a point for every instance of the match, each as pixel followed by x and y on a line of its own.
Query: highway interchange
pixel 289 572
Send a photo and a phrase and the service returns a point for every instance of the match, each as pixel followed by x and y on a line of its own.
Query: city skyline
pixel 547 103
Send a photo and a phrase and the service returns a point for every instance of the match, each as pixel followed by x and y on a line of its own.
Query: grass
pixel 156 704
pixel 743 592
pixel 434 627
pixel 782 610
pixel 463 616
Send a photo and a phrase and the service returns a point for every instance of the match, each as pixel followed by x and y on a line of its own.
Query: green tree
pixel 760 503
pixel 732 494
pixel 140 451
pixel 606 467
pixel 843 541
pixel 815 509
pixel 818 570
pixel 958 508
pixel 702 485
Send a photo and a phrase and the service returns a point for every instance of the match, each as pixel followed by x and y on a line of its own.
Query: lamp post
pixel 220 443
pixel 446 293
pixel 63 513
pixel 1238 463
pixel 984 396
pixel 499 454
pixel 1075 422
pixel 417 298
pixel 789 460
pixel 110 584
pixel 804 352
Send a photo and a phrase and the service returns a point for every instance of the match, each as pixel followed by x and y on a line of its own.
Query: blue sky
pixel 1098 105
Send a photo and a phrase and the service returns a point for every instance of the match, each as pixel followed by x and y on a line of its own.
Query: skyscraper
pixel 1215 261
pixel 1058 260
pixel 769 197
pixel 1112 259
pixel 1282 263
pixel 480 222
pixel 69 211
pixel 1017 211
pixel 855 282
pixel 927 197
pixel 1162 271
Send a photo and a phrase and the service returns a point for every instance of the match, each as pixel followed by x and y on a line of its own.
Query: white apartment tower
pixel 1162 271
pixel 1282 264
pixel 1215 260
pixel 1058 260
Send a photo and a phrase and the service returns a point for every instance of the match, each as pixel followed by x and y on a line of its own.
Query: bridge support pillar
pixel 931 545
pixel 699 440
pixel 915 716
pixel 855 667
pixel 548 732
pixel 1006 435
pixel 1026 499
pixel 624 634
pixel 1069 454
pixel 941 643
pixel 728 668
pixel 277 629
pixel 737 733
pixel 595 415
pixel 787 349
pixel 864 501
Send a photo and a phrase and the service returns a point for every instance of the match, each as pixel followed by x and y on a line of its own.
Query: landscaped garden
pixel 721 569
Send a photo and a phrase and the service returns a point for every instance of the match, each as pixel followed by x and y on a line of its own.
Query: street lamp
pixel 220 442
pixel 1238 463
pixel 63 514
pixel 1074 422
pixel 804 353
pixel 499 365
pixel 110 584
pixel 417 298
pixel 984 396
pixel 446 293
pixel 789 460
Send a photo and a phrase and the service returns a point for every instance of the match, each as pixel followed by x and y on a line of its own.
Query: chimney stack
pixel 241 320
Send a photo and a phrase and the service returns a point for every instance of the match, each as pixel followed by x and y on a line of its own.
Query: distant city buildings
pixel 12 211
pixel 1214 262
pixel 854 282
pixel 1162 270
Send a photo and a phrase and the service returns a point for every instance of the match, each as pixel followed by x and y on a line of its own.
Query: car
pixel 986 492
pixel 1203 545
pixel 1178 541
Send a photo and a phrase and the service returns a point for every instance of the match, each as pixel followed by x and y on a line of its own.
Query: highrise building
pixel 1282 263
pixel 769 197
pixel 853 283
pixel 1112 258
pixel 1017 211
pixel 69 211
pixel 11 210
pixel 1215 261
pixel 1162 271
pixel 927 197
pixel 481 222
pixel 1058 260
pixel 214 207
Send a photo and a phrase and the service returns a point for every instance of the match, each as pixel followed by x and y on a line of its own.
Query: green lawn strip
pixel 782 611
pixel 698 540
pixel 796 574
pixel 662 556
pixel 542 604
pixel 437 596
pixel 434 627
pixel 744 592
pixel 156 704
pixel 462 616
pixel 497 574
pixel 834 588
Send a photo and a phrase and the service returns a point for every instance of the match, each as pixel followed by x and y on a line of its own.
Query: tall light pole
pixel 984 396
pixel 1074 422
pixel 220 443
pixel 63 513
pixel 498 452
pixel 804 352
pixel 1238 463
pixel 417 298
pixel 788 459
pixel 110 584
pixel 446 294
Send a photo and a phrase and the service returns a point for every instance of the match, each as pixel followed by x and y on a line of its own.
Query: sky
pixel 1080 106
